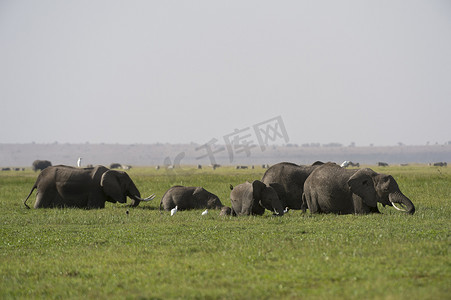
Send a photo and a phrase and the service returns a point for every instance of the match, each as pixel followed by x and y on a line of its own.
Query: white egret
pixel 174 210
pixel 205 212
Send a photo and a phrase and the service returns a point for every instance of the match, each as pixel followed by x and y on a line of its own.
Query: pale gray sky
pixel 180 71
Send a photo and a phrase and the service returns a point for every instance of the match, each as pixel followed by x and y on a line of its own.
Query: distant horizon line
pixel 287 145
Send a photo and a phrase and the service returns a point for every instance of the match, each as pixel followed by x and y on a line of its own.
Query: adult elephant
pixel 253 198
pixel 64 186
pixel 332 189
pixel 288 181
pixel 41 165
pixel 189 197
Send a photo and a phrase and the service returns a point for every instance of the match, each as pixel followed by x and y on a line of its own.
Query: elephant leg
pixel 94 200
pixel 39 201
pixel 258 210
pixel 46 199
pixel 312 203
pixel 375 210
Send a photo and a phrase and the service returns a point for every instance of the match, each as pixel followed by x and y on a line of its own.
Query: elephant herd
pixel 320 187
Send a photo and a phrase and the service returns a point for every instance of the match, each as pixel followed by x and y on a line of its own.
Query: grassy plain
pixel 107 254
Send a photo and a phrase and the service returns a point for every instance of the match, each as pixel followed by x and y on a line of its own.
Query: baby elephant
pixel 189 197
pixel 253 198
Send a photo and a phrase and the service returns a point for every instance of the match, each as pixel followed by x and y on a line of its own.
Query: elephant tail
pixel 31 192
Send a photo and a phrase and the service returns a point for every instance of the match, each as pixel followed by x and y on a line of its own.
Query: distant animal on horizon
pixel 241 167
pixel 199 167
pixel 79 162
pixel 6 169
pixel 40 165
pixel 215 166
pixel 65 186
pixel 440 164
pixel 189 197
pixel 332 189
pixel 288 179
pixel 382 164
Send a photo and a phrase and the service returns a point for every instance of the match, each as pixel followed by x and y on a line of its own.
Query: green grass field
pixel 107 254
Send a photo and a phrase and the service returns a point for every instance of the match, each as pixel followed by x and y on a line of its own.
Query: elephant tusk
pixel 151 197
pixel 397 207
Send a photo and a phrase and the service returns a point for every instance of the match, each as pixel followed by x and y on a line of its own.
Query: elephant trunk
pixel 278 209
pixel 136 199
pixel 398 197
pixel 135 195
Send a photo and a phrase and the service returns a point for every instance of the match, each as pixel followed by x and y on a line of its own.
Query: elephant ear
pixel 111 186
pixel 257 189
pixel 246 194
pixel 361 184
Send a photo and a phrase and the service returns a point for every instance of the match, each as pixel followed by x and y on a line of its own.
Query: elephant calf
pixel 332 189
pixel 253 198
pixel 189 197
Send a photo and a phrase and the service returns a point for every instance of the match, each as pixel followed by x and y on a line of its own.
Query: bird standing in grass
pixel 174 210
pixel 205 212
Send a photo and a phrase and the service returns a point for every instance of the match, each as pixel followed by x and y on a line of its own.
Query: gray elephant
pixel 226 211
pixel 332 189
pixel 40 165
pixel 64 186
pixel 288 181
pixel 189 197
pixel 253 198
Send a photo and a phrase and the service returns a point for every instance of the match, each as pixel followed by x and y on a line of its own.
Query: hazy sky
pixel 189 71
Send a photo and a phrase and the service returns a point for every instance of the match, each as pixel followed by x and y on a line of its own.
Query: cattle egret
pixel 286 210
pixel 345 164
pixel 79 162
pixel 205 212
pixel 173 211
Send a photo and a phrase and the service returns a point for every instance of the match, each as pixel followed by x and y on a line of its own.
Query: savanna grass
pixel 108 254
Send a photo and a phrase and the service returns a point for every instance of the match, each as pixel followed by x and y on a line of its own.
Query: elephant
pixel 189 197
pixel 41 165
pixel 226 211
pixel 332 189
pixel 65 186
pixel 288 181
pixel 253 198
